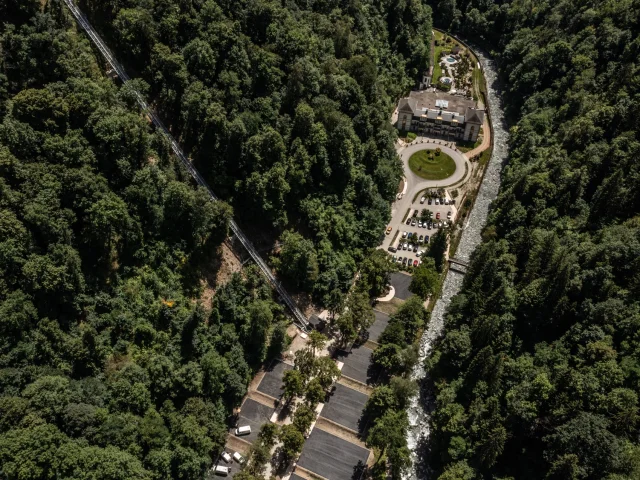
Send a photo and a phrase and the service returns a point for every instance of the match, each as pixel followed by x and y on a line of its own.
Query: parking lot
pixel 255 415
pixel 381 322
pixel 409 234
pixel 332 457
pixel 357 364
pixel 271 383
pixel 345 407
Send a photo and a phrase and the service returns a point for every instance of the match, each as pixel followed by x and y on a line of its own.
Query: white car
pixel 420 223
pixel 437 202
pixel 404 234
pixel 226 457
pixel 446 201
pixel 423 199
pixel 239 458
pixel 449 215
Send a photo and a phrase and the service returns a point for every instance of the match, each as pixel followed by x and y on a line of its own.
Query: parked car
pixel 389 229
pixel 439 224
pixel 404 234
pixel 399 196
pixel 423 199
pixel 426 239
pixel 394 258
pixel 437 202
pixel 226 457
pixel 430 225
pixel 415 263
pixel 449 215
pixel 420 238
pixel 408 222
pixel 392 248
pixel 239 458
pixel 437 215
pixel 453 201
pixel 429 202
pixel 400 259
pixel 420 252
pixel 415 213
pixel 415 248
pixel 405 246
pixel 404 260
pixel 446 201
pixel 413 222
pixel 420 223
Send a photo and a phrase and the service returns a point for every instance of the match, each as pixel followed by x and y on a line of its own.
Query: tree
pixel 327 371
pixel 297 260
pixel 292 384
pixel 314 392
pixel 425 280
pixel 292 442
pixel 317 341
pixel 388 434
pixel 358 316
pixel 376 271
pixel 303 418
pixel 438 249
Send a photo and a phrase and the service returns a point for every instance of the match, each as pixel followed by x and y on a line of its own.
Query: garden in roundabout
pixel 432 164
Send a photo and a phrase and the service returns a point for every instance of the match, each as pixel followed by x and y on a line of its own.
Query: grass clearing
pixel 430 165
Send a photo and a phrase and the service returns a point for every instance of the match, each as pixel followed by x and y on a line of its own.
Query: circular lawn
pixel 432 165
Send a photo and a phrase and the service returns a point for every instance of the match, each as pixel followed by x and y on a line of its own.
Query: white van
pixel 226 457
pixel 238 458
pixel 244 430
pixel 221 471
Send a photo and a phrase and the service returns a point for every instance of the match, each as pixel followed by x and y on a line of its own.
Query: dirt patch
pixel 219 273
pixel 237 444
pixel 389 307
pixel 355 385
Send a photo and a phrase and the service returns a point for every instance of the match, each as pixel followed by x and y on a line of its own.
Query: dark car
pixel 420 238
pixel 430 201
pixel 415 249
pixel 404 260
pixel 408 221
pixel 392 248
pixel 426 239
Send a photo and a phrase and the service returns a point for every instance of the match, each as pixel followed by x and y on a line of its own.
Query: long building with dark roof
pixel 437 113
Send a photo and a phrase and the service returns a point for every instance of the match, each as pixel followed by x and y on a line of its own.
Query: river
pixel 422 405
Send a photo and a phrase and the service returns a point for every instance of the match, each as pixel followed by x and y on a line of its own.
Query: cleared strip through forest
pixel 119 69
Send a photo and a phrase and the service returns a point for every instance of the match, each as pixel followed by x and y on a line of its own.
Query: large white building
pixel 440 114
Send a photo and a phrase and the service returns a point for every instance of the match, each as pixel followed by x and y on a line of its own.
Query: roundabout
pixel 432 164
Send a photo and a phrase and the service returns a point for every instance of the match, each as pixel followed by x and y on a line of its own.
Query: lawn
pixel 427 164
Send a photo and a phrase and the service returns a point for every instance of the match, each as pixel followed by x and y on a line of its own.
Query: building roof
pixel 475 116
pixel 441 106
pixel 427 100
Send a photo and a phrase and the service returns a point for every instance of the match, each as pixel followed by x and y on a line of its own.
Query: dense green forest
pixel 538 373
pixel 108 367
pixel 284 107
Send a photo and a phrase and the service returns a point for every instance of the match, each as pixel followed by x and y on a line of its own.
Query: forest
pixel 112 366
pixel 538 373
pixel 284 108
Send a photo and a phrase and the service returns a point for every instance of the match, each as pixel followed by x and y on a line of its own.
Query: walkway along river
pixel 422 405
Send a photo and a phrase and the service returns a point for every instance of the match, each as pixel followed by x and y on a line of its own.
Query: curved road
pixel 415 183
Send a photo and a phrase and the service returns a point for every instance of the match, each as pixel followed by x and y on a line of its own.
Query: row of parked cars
pixel 437 201
pixel 406 261
pixel 413 221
